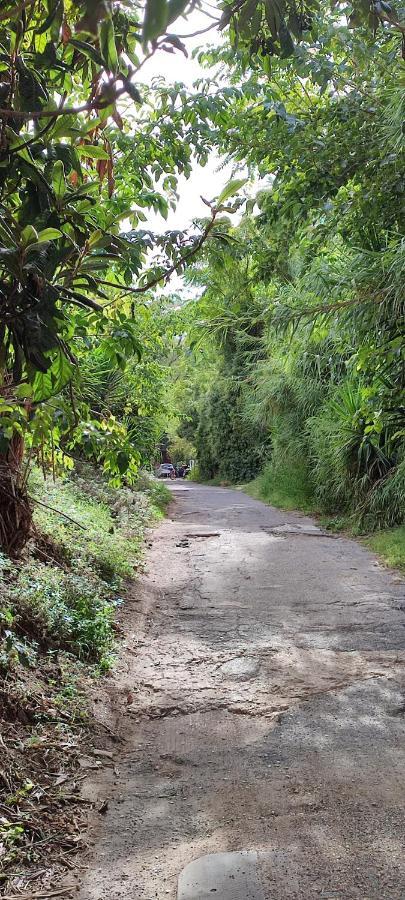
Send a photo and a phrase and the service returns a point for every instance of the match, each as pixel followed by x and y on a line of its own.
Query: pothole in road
pixel 305 530
pixel 197 535
pixel 241 668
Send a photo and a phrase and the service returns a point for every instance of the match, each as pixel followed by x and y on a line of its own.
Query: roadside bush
pixel 287 486
pixel 384 505
pixel 104 536
pixel 64 597
pixel 195 474
pixel 357 468
pixel 63 611
pixel 157 493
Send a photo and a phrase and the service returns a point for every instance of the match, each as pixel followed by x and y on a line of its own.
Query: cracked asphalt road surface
pixel 260 699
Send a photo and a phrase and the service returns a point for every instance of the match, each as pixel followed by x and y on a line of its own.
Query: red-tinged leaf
pixel 110 176
pixel 101 169
pixel 66 32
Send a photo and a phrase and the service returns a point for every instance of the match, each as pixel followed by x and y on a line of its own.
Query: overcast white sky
pixel 207 180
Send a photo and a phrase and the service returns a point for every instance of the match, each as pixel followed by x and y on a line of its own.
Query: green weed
pixel 89 539
pixel 390 545
pixel 287 488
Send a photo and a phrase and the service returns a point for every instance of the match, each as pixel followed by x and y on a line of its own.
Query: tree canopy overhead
pixel 85 152
pixel 308 96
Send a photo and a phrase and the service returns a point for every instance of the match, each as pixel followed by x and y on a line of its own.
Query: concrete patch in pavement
pixel 241 668
pixel 227 876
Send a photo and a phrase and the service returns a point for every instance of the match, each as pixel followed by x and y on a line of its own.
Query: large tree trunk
pixel 15 509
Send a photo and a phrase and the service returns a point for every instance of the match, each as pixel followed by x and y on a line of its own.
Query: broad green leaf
pixel 174 9
pixel 16 142
pixel 47 384
pixel 58 180
pixel 23 391
pixel 88 50
pixel 156 19
pixel 95 238
pixel 49 234
pixel 286 41
pixel 29 235
pixel 92 151
pixel 247 12
pixel 133 92
pixel 273 17
pixel 53 20
pixel 108 47
pixel 231 189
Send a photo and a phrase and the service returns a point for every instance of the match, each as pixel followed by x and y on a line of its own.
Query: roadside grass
pixel 88 538
pixel 157 493
pixel 57 610
pixel 389 545
pixel 287 489
pixel 217 481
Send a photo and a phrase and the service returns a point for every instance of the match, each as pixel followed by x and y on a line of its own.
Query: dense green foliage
pixel 86 152
pixel 285 366
pixel 305 301
pixel 57 626
pixel 308 97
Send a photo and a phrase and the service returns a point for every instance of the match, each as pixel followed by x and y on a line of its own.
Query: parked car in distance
pixel 165 470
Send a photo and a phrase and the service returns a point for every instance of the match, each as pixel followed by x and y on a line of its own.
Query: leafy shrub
pixel 62 610
pixel 358 468
pixel 285 486
pixel 105 534
pixel 384 505
pixel 157 493
pixel 195 474
pixel 64 598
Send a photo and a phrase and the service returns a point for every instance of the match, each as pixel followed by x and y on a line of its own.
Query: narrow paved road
pixel 261 694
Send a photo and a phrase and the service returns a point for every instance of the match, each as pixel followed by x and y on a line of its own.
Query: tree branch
pixel 59 511
pixel 333 307
pixel 166 274
pixel 66 111
pixel 202 30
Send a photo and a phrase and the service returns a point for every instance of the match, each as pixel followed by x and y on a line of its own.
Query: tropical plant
pixel 71 174
pixel 314 275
